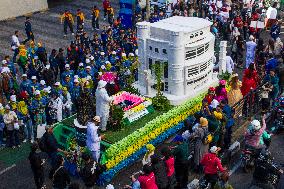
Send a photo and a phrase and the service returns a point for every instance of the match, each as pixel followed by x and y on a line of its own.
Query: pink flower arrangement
pixel 127 96
pixel 108 77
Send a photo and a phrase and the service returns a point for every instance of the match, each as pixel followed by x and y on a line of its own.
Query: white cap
pixel 256 124
pixel 4 61
pixel 88 61
pixel 101 84
pixel 47 66
pixel 24 75
pixel 107 62
pixel 81 64
pixel 92 58
pixel 214 149
pixel 5 70
pixel 100 73
pixel 7 107
pixel 42 82
pixel 57 83
pixel 1 106
pixel 103 67
pixel 123 54
pixel 13 98
pixel 37 92
pixel 214 103
pixel 131 54
pixel 113 52
pixel 88 67
pixel 102 53
pixel 47 89
pixel 33 77
pixel 109 186
pixel 67 66
pixel 76 81
pixel 76 76
pixel 36 57
pixel 89 77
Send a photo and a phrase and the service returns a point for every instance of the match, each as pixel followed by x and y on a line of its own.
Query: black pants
pixel 66 25
pixel 95 23
pixel 227 137
pixel 39 178
pixel 10 138
pixel 212 179
pixel 30 36
pixel 182 175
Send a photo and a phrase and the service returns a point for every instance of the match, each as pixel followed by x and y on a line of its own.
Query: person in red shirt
pixel 106 5
pixel 250 79
pixel 170 165
pixel 147 179
pixel 210 95
pixel 238 22
pixel 212 165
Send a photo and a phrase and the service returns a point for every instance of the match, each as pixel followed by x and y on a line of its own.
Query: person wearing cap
pixel 25 84
pixel 67 103
pixel 93 139
pixel 113 58
pixel 10 118
pixel 81 70
pixel 2 125
pixel 48 75
pixel 13 102
pixel 34 85
pixel 42 85
pixel 66 73
pixel 250 51
pixel 68 83
pixel 102 104
pixel 55 108
pixel 38 105
pixel 89 72
pixel 253 134
pixel 181 154
pixel 102 59
pixel 212 165
pixel 210 95
pixel 150 152
pixel 10 65
pixel 57 88
pixel 199 147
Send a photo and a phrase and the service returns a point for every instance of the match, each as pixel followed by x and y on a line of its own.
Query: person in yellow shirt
pixel 68 21
pixel 80 18
pixel 95 18
pixel 110 13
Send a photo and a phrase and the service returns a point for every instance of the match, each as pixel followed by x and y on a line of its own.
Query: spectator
pixel 135 183
pixel 150 152
pixel 147 179
pixel 10 119
pixel 235 94
pixel 273 79
pixel 212 164
pixel 181 154
pixel 36 161
pixel 250 51
pixel 59 175
pixel 2 125
pixel 160 172
pixel 220 91
pixel 91 171
pixel 169 161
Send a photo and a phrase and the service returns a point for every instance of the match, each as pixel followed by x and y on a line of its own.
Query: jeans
pixel 28 129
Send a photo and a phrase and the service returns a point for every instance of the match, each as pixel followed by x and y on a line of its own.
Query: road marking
pixel 7 169
pixel 233 170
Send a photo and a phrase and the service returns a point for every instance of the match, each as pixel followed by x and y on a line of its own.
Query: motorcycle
pixel 204 184
pixel 278 123
pixel 248 158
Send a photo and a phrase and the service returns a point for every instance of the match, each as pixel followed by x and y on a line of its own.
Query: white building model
pixel 185 46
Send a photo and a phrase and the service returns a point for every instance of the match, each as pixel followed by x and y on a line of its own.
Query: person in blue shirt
pixel 101 60
pixel 10 65
pixel 34 85
pixel 275 30
pixel 271 63
pixel 75 93
pixel 67 72
pixel 68 83
pixel 42 85
pixel 89 72
pixel 273 79
pixel 81 71
pixel 113 58
pixel 227 110
pixel 26 84
pixel 38 109
pixel 57 89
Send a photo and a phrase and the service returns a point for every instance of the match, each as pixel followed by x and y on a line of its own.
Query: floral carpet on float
pixel 123 147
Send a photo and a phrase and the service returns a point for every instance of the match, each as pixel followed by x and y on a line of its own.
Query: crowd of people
pixel 39 88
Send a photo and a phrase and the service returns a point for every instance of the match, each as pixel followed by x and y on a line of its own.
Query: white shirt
pixel 93 139
pixel 15 42
pixel 229 64
pixel 271 13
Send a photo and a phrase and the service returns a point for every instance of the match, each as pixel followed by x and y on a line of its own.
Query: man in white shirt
pixel 229 64
pixel 93 138
pixel 271 15
pixel 15 45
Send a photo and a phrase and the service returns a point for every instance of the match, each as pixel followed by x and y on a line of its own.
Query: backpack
pixel 207 138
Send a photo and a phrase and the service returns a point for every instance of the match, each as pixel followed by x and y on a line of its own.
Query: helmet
pixel 255 124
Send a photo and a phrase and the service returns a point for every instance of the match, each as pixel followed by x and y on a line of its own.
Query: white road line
pixel 7 169
pixel 235 168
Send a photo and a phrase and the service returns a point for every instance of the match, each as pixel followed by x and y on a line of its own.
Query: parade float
pixel 136 120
